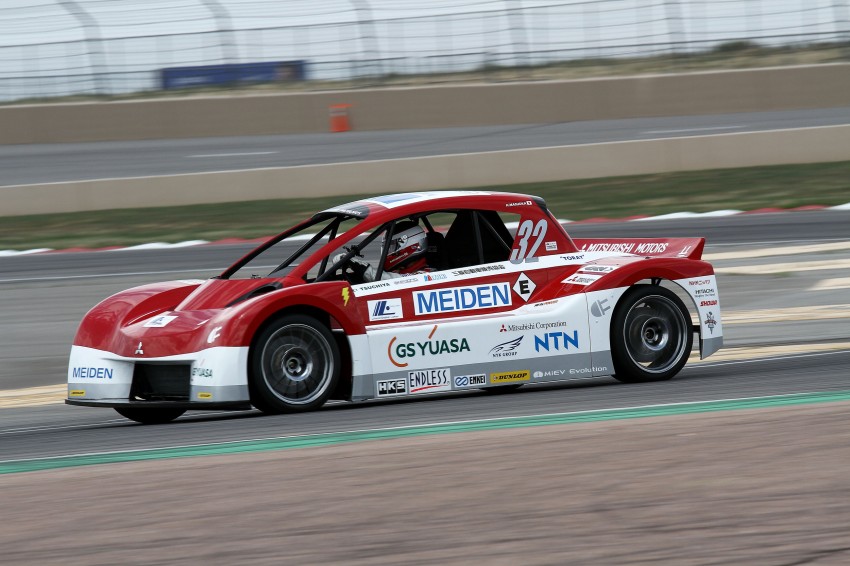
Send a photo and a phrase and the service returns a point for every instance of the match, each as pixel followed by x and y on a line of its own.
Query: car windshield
pixel 279 259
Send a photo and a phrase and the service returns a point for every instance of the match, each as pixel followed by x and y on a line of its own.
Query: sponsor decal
pixel 385 309
pixel 710 322
pixel 471 380
pixel 510 376
pixel 408 350
pixel 549 373
pixel 204 395
pixel 140 350
pixel 551 246
pixel 479 269
pixel 583 371
pixel 429 380
pixel 599 308
pixel 572 257
pixel 578 279
pixel 524 286
pixel 555 341
pixel 453 299
pixel 526 326
pixel 506 349
pixel 434 276
pixel 708 303
pixel 546 303
pixel 371 286
pixel 202 372
pixel 76 393
pixel 405 281
pixel 159 321
pixel 356 212
pixel 91 373
pixel 522 203
pixel 214 334
pixel 685 251
pixel 704 292
pixel 390 387
pixel 598 268
pixel 345 296
pixel 699 282
pixel 627 247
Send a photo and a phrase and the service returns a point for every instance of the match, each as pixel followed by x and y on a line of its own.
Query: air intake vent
pixel 160 382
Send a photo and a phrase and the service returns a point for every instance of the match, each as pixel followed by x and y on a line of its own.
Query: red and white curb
pixel 640 218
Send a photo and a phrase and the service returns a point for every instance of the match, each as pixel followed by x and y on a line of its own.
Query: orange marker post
pixel 339 118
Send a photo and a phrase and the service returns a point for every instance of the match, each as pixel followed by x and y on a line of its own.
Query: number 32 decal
pixel 527 229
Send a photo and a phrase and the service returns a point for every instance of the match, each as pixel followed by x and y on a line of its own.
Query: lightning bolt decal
pixel 345 296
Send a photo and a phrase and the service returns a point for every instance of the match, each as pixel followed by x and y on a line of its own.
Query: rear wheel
pixel 149 416
pixel 651 335
pixel 295 365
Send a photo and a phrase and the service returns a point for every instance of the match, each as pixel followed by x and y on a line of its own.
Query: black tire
pixel 651 335
pixel 149 416
pixel 295 365
pixel 499 389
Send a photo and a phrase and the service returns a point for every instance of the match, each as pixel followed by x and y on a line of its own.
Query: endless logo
pixel 430 380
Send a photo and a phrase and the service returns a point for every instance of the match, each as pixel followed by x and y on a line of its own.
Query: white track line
pixel 784 250
pixel 829 284
pixel 704 129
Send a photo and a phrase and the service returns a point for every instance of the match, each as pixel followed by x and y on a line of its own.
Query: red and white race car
pixel 398 296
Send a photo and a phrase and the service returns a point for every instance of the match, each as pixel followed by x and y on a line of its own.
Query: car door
pixel 478 322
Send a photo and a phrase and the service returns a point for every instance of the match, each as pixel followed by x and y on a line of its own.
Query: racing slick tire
pixel 295 365
pixel 651 335
pixel 149 416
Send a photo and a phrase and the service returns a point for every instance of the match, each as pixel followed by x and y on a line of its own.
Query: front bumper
pixel 188 405
pixel 202 379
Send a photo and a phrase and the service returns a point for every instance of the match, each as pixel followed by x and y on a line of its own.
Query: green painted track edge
pixel 329 439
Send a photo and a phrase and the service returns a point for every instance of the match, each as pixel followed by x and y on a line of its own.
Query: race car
pixel 399 296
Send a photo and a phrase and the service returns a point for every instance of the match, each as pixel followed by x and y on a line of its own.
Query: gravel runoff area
pixel 762 486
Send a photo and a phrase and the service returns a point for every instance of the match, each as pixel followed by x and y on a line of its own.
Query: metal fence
pixel 51 48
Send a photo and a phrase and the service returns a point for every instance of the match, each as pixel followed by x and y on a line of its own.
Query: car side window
pixel 477 237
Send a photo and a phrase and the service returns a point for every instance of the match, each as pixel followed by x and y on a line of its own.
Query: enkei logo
pixel 470 380
pixel 402 350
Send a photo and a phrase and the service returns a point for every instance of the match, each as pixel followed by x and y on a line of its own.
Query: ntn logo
pixel 556 341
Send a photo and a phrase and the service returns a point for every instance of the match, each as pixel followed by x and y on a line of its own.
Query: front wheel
pixel 149 416
pixel 651 335
pixel 295 365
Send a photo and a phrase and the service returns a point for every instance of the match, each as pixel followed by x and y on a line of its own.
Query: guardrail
pixel 780 88
pixel 802 145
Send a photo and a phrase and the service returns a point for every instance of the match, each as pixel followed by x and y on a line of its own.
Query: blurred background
pixel 117 47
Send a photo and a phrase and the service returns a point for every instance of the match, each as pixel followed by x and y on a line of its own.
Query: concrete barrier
pixel 780 88
pixel 803 145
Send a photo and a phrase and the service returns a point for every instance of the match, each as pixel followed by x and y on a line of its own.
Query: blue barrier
pixel 221 75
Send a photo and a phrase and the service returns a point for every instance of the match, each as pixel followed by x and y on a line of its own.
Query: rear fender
pixel 695 277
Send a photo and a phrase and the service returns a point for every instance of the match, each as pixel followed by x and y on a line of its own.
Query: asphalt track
pixel 45 163
pixel 44 297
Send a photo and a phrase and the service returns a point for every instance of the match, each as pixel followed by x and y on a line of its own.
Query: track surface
pixel 44 297
pixel 45 163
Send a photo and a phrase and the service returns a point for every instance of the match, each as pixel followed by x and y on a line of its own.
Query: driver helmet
pixel 409 243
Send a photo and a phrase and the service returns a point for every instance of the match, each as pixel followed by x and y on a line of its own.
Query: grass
pixel 784 186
